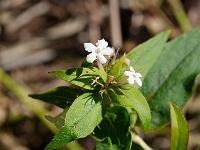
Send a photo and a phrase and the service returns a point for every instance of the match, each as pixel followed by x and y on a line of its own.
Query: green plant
pixel 107 97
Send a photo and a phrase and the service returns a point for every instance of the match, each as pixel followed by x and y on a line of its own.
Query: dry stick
pixel 164 17
pixel 95 19
pixel 36 10
pixel 180 15
pixel 10 142
pixel 66 28
pixel 194 139
pixel 115 23
pixel 162 22
pixel 33 105
pixel 30 59
pixel 6 5
pixel 21 94
pixel 14 56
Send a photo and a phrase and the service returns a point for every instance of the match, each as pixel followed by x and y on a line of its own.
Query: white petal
pixel 101 44
pixel 108 51
pixel 137 75
pixel 128 73
pixel 101 59
pixel 91 57
pixel 132 69
pixel 139 81
pixel 131 80
pixel 89 47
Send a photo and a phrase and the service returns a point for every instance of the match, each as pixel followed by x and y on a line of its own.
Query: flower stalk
pixel 138 140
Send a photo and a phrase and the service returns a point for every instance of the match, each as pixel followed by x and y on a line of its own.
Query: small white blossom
pixel 98 51
pixel 133 77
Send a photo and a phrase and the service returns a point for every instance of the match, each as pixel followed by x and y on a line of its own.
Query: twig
pixel 180 15
pixel 11 4
pixel 15 55
pixel 137 139
pixel 194 139
pixel 24 18
pixel 95 19
pixel 66 28
pixel 10 142
pixel 115 23
pixel 21 94
pixel 30 59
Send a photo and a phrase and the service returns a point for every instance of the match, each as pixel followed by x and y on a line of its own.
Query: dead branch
pixel 24 18
pixel 115 23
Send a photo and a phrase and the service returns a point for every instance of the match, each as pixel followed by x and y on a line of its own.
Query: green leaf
pixel 82 77
pixel 133 98
pixel 179 129
pixel 102 74
pixel 196 85
pixel 82 117
pixel 61 96
pixel 117 66
pixel 115 125
pixel 86 64
pixel 59 120
pixel 145 55
pixel 105 144
pixel 172 76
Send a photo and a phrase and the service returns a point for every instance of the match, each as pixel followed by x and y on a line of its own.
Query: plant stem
pixel 100 66
pixel 180 15
pixel 21 94
pixel 115 23
pixel 33 105
pixel 137 139
pixel 133 117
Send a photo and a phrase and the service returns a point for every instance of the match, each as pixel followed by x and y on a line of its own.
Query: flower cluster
pixel 100 50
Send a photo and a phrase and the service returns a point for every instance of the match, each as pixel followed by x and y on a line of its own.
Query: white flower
pixel 133 77
pixel 98 51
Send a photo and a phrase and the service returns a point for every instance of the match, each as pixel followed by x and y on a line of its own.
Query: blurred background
pixel 40 36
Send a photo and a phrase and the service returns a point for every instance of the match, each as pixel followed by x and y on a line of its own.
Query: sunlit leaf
pixel 82 117
pixel 133 98
pixel 82 77
pixel 146 54
pixel 179 129
pixel 59 120
pixel 117 67
pixel 172 76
